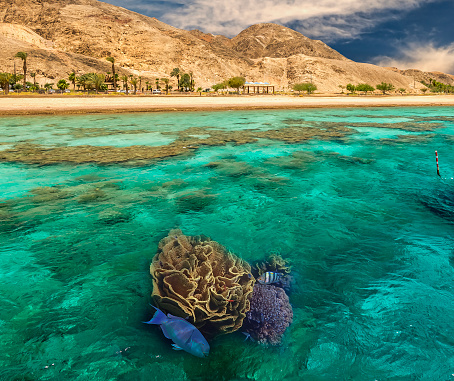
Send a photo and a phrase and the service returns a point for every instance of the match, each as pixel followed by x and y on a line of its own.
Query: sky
pixel 401 33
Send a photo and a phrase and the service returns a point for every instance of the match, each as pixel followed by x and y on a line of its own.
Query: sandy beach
pixel 54 104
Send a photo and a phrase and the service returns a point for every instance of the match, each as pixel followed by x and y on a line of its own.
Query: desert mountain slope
pixel 276 41
pixel 65 35
pixel 49 64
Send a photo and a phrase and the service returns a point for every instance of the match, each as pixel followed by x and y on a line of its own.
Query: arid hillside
pixel 65 35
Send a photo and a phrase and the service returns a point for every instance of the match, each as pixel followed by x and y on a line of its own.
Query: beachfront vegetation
pixel 4 82
pixel 62 84
pixel 305 86
pixel 351 88
pixel 401 90
pixel 166 83
pixel 437 87
pixel 48 86
pixel 185 82
pixel 219 86
pixel 114 77
pixel 23 57
pixel 365 88
pixel 176 73
pixel 384 87
pixel 236 83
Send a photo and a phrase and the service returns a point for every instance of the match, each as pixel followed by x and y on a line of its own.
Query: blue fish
pixel 269 277
pixel 185 336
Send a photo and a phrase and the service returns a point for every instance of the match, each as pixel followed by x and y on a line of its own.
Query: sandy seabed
pixel 54 104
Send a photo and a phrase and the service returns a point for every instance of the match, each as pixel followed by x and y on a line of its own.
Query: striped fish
pixel 269 277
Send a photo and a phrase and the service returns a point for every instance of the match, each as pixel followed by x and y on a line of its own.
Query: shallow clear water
pixel 363 218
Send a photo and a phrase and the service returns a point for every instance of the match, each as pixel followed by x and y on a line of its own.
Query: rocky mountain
pixel 276 41
pixel 65 35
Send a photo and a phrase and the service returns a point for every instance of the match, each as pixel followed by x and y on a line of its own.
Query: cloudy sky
pixel 402 33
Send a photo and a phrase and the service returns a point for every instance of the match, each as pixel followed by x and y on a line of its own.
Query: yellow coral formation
pixel 195 277
pixel 273 263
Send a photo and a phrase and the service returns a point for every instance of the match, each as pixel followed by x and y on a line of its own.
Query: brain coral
pixel 270 314
pixel 195 277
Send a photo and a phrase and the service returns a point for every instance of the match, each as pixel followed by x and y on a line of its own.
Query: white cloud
pixel 422 56
pixel 229 17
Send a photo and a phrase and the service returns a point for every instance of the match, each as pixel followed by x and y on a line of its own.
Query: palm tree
pixel 4 82
pixel 72 78
pixel 111 59
pixel 147 84
pixel 96 80
pixel 33 75
pixel 83 81
pixel 157 84
pixel 23 57
pixel 192 81
pixel 166 81
pixel 140 83
pixel 124 78
pixel 62 84
pixel 176 73
pixel 134 82
pixel 48 86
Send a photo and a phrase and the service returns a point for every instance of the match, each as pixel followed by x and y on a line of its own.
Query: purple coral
pixel 270 314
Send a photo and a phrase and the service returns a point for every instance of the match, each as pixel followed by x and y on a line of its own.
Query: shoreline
pixel 95 104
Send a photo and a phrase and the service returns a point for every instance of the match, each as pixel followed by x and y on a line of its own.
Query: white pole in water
pixel 438 168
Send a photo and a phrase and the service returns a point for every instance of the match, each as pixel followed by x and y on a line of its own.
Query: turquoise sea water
pixel 363 218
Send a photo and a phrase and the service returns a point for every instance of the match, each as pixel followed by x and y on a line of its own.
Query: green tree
pixel 96 81
pixel 351 88
pixel 72 78
pixel 424 89
pixel 134 82
pixel 236 83
pixel 23 57
pixel 185 81
pixel 4 82
pixel 112 61
pixel 305 86
pixel 124 79
pixel 33 75
pixel 48 86
pixel 219 86
pixel 401 90
pixel 157 82
pixel 365 88
pixel 83 81
pixel 298 87
pixel 192 81
pixel 176 73
pixel 166 82
pixel 384 87
pixel 62 84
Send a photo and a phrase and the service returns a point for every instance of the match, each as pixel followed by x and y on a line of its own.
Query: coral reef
pixel 408 139
pixel 270 314
pixel 196 278
pixel 274 263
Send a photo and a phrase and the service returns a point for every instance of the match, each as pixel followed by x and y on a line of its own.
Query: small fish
pixel 185 336
pixel 269 277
